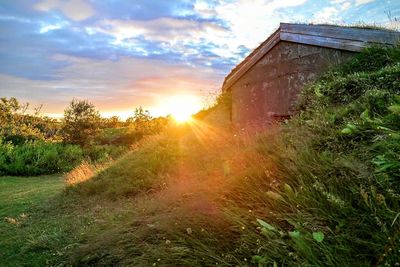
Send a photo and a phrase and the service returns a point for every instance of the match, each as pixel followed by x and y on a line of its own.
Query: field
pixel 321 189
pixel 23 199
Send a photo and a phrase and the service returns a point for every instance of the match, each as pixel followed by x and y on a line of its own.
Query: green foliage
pixel 102 153
pixel 318 236
pixel 371 59
pixel 30 144
pixel 136 172
pixel 224 99
pixel 38 157
pixel 345 89
pixel 124 136
pixel 222 102
pixel 112 122
pixel 333 195
pixel 18 127
pixel 81 122
pixel 143 124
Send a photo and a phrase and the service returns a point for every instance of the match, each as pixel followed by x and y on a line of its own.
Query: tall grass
pixel 330 193
pixel 322 191
pixel 137 171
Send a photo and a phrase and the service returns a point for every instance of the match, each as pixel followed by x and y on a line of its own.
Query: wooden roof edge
pixel 251 59
pixel 339 37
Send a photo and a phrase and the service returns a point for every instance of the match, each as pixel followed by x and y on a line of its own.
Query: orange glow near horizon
pixel 180 107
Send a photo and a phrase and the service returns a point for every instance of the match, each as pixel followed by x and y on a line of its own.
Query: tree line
pixel 31 143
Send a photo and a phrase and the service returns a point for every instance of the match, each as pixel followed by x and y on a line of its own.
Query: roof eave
pixel 342 38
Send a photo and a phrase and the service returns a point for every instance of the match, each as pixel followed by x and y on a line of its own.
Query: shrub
pixel 81 122
pixel 38 157
pixel 118 136
pixel 18 127
pixel 101 153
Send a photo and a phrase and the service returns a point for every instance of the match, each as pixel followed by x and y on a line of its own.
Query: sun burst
pixel 181 107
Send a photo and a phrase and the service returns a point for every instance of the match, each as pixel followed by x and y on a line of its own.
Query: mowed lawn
pixel 25 228
pixel 19 194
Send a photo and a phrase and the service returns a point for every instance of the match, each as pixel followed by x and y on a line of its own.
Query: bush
pixel 118 136
pixel 223 102
pixel 101 153
pixel 18 127
pixel 38 157
pixel 81 122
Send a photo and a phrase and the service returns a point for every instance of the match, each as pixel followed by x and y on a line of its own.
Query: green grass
pixel 20 198
pixel 324 192
pixel 136 172
pixel 19 194
pixel 43 224
pixel 333 171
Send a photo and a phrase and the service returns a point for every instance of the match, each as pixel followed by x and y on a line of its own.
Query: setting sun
pixel 182 117
pixel 181 107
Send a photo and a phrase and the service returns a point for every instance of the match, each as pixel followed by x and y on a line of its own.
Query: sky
pixel 121 54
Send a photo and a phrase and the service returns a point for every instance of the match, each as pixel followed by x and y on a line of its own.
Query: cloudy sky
pixel 121 54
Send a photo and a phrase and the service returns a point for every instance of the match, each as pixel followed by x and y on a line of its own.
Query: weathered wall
pixel 270 87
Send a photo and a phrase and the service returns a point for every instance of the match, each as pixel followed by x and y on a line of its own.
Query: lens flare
pixel 181 107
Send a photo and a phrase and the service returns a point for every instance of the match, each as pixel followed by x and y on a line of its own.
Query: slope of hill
pixel 321 190
pixel 324 190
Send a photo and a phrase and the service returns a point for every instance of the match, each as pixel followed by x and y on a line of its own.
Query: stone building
pixel 266 84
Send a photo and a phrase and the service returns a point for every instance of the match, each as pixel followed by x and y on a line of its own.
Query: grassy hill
pixel 321 190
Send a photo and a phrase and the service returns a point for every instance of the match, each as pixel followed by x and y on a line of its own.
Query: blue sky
pixel 122 54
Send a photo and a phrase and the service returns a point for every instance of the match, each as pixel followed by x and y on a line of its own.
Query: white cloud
pixel 161 29
pixel 252 21
pixel 51 27
pixel 172 33
pixel 248 22
pixel 345 6
pixel 336 2
pixel 327 15
pixel 205 9
pixel 363 2
pixel 73 9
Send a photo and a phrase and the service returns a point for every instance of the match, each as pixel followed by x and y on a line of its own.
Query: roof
pixel 339 37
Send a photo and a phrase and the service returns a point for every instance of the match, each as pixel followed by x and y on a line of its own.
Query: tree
pixel 17 125
pixel 81 122
pixel 142 119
